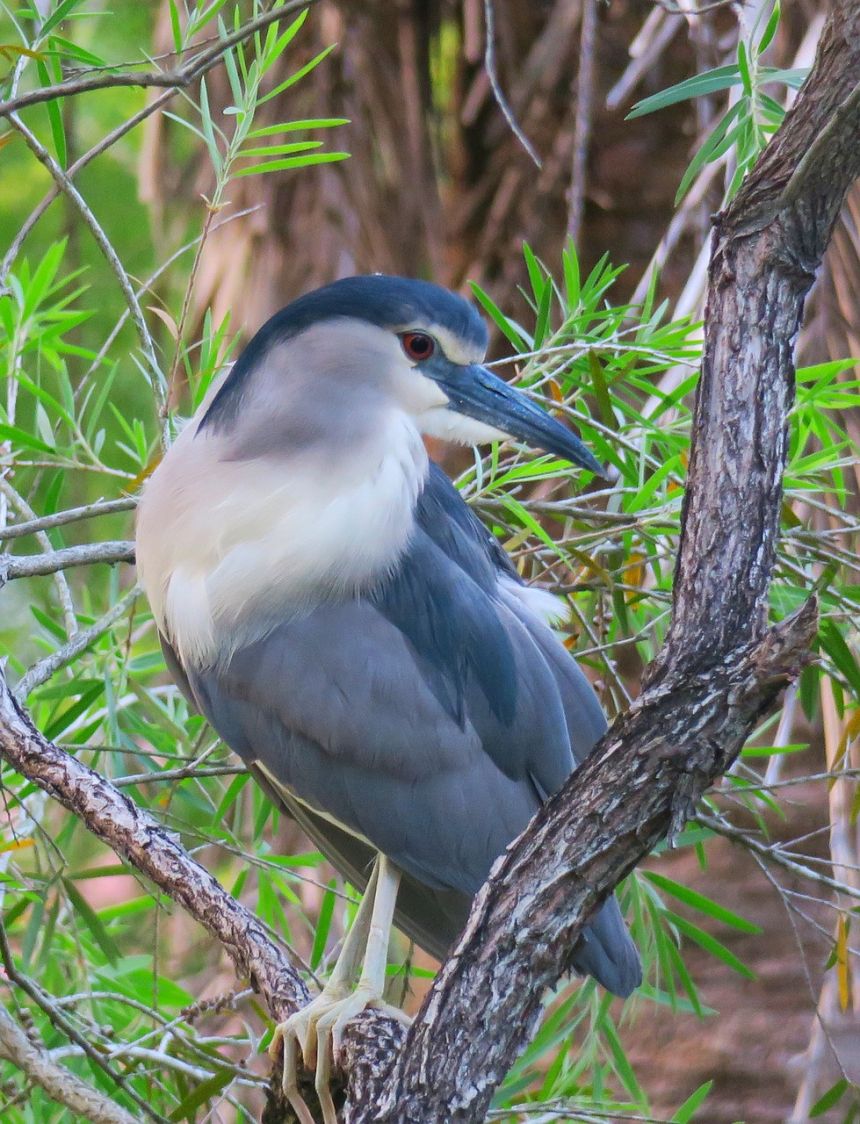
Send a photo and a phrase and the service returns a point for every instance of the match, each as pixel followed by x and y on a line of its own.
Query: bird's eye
pixel 417 345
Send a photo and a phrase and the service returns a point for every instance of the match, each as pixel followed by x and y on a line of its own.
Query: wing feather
pixel 427 719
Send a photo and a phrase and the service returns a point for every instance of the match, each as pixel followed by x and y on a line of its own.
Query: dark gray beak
pixel 477 392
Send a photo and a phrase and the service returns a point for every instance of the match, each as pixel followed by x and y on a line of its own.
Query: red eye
pixel 418 345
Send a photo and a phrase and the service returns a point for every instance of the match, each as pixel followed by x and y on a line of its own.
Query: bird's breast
pixel 227 548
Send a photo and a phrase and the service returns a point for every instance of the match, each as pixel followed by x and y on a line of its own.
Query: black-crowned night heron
pixel 348 626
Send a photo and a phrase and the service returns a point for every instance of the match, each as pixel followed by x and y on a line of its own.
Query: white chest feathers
pixel 224 546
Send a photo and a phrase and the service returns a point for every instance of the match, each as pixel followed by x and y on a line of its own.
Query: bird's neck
pixel 228 547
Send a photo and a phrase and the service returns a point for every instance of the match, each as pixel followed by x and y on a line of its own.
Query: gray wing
pixel 340 710
pixel 427 720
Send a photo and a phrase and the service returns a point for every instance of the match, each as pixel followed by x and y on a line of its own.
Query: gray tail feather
pixel 606 951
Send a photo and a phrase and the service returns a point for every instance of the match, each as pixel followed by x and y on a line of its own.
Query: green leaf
pixel 833 643
pixel 701 902
pixel 296 126
pixel 601 392
pixel 709 82
pixel 293 162
pixel 175 26
pixel 793 78
pixel 769 30
pixel 721 138
pixel 21 437
pixel 830 1098
pixel 323 925
pixel 710 944
pixel 506 326
pixel 744 68
pixel 282 149
pixel 72 50
pixel 621 1061
pixel 773 750
pixel 62 10
pixel 207 1089
pixel 68 716
pixel 299 74
pixel 688 1108
pixel 55 117
pixel 92 921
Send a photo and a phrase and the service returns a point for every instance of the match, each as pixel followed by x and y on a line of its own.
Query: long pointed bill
pixel 481 395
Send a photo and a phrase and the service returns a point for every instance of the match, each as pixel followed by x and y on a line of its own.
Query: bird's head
pixel 386 337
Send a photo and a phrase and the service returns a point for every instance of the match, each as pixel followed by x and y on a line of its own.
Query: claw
pixel 317 1031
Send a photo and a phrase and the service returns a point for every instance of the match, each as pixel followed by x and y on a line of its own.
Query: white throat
pixel 226 547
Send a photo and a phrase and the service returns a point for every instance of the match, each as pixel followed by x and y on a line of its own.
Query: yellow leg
pixel 317 1030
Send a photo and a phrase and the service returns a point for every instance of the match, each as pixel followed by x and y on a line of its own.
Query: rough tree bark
pixel 720 669
pixel 721 666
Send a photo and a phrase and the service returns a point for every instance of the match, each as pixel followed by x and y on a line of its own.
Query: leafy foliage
pixel 83 418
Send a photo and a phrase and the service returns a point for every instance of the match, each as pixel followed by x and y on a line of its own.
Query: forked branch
pixel 721 667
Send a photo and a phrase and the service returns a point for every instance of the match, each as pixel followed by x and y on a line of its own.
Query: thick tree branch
pixel 721 667
pixel 135 836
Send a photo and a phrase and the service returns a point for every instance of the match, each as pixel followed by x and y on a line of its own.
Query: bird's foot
pixel 316 1031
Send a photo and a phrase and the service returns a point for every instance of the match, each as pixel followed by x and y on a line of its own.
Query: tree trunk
pixel 721 667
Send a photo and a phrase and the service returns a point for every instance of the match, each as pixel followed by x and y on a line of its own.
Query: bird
pixel 351 629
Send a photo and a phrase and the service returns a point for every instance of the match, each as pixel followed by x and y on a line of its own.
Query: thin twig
pixel 66 186
pixel 498 93
pixel 722 827
pixel 37 565
pixel 181 774
pixel 582 119
pixel 71 515
pixel 40 672
pixel 161 78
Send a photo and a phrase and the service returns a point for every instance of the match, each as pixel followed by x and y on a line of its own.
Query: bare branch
pixel 178 79
pixel 37 565
pixel 721 826
pixel 721 667
pixel 582 118
pixel 498 93
pixel 71 515
pixel 42 671
pixel 60 1084
pixel 136 837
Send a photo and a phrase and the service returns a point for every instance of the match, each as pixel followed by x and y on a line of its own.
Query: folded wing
pixel 427 719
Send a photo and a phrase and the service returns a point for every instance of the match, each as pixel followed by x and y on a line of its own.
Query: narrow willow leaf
pixel 702 903
pixel 92 921
pixel 710 944
pixel 769 30
pixel 293 162
pixel 205 1091
pixel 833 1095
pixel 709 82
pixel 323 926
pixel 687 1110
pixel 62 10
